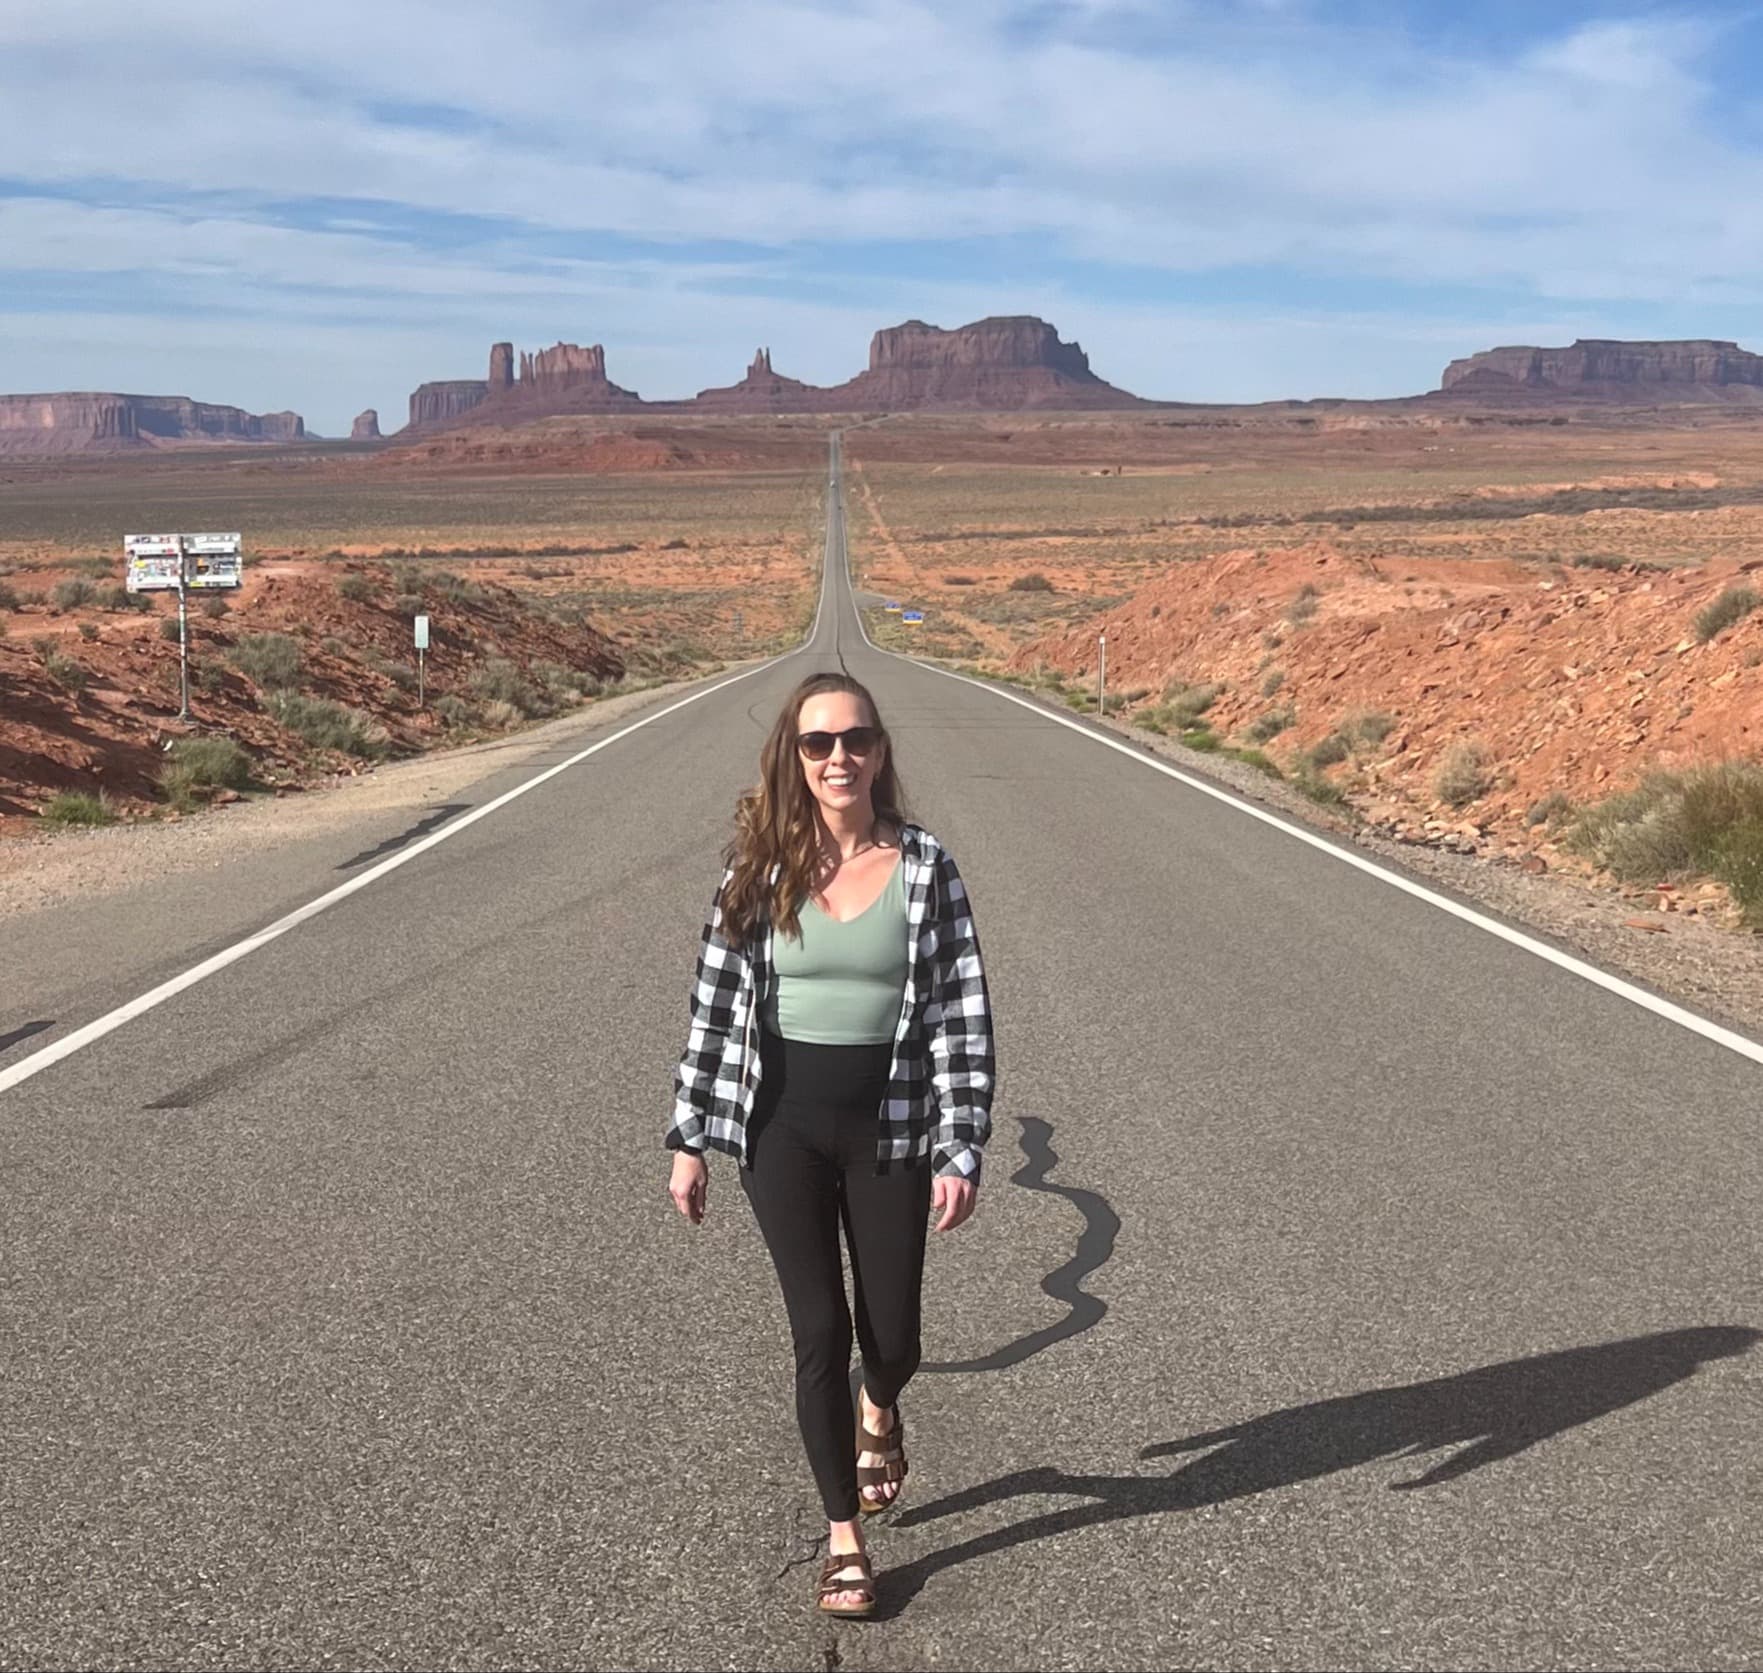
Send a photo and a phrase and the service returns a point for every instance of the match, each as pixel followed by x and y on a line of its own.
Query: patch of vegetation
pixel 455 712
pixel 358 589
pixel 65 672
pixel 1327 752
pixel 1202 738
pixel 501 681
pixel 118 597
pixel 1186 705
pixel 1033 582
pixel 1303 605
pixel 1367 726
pixel 9 599
pixel 1275 679
pixel 271 660
pixel 1550 809
pixel 1463 775
pixel 409 604
pixel 79 807
pixel 959 581
pixel 214 606
pixel 169 629
pixel 71 595
pixel 1731 606
pixel 215 763
pixel 1256 759
pixel 1706 819
pixel 1271 724
pixel 1325 792
pixel 328 725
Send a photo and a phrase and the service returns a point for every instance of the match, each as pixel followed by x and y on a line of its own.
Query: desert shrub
pixel 328 725
pixel 336 646
pixel 1186 706
pixel 177 784
pixel 213 763
pixel 214 606
pixel 1271 724
pixel 1731 606
pixel 8 597
pixel 79 807
pixel 1152 720
pixel 1704 819
pixel 1202 738
pixel 1033 582
pixel 210 676
pixel 501 681
pixel 169 629
pixel 1221 609
pixel 409 604
pixel 1549 809
pixel 498 715
pixel 443 583
pixel 356 588
pixel 1367 726
pixel 1256 759
pixel 118 597
pixel 1303 605
pixel 455 712
pixel 674 545
pixel 959 581
pixel 1463 775
pixel 1270 686
pixel 70 595
pixel 65 672
pixel 1327 752
pixel 1323 791
pixel 100 568
pixel 88 631
pixel 271 660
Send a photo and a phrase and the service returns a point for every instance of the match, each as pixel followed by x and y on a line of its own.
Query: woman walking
pixel 841 1047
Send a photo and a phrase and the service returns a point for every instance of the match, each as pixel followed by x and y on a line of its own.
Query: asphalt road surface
pixel 1349 1287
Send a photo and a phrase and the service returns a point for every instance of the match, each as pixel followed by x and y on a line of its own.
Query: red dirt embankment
pixel 111 735
pixel 1570 681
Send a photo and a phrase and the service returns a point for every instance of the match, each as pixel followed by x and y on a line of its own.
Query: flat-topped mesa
pixel 442 402
pixel 79 421
pixel 366 426
pixel 762 390
pixel 1686 369
pixel 1003 364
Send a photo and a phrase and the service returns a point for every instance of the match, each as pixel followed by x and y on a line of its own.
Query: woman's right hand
pixel 690 1185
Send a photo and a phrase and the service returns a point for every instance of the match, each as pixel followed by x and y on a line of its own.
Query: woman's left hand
pixel 953 1200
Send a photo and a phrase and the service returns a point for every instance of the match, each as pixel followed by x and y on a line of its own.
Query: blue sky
pixel 321 206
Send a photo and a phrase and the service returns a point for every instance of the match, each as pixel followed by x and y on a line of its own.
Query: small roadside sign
pixel 911 615
pixel 422 633
pixel 892 604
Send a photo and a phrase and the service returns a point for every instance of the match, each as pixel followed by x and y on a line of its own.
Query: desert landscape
pixel 1474 619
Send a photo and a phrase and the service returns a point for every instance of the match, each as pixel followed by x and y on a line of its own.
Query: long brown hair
pixel 776 823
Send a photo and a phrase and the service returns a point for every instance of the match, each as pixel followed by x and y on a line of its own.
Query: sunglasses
pixel 859 740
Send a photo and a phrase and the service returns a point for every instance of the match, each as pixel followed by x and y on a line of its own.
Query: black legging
pixel 813 1153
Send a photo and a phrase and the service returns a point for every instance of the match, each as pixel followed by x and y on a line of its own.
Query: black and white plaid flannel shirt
pixel 939 1096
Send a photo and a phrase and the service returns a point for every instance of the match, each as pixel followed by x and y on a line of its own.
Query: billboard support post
pixel 183 648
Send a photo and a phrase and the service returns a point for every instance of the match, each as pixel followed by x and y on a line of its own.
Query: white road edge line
pixel 1709 1030
pixel 113 1020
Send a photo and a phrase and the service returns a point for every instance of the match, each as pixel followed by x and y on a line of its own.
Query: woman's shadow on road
pixel 1491 1413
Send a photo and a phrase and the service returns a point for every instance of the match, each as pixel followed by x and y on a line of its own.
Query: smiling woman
pixel 841 1048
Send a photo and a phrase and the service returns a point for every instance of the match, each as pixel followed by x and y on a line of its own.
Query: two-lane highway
pixel 1350 1287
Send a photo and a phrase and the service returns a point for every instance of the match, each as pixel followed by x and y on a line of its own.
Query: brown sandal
pixel 830 1585
pixel 891 1448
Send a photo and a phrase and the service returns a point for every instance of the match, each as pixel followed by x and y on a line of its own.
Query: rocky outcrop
pixel 1002 364
pixel 501 368
pixel 441 403
pixel 761 390
pixel 1688 369
pixel 84 421
pixel 366 427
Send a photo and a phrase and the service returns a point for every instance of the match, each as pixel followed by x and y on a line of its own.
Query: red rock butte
pixel 1690 369
pixel 994 365
pixel 84 422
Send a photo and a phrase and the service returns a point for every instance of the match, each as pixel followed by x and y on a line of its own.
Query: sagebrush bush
pixel 1731 606
pixel 271 660
pixel 1327 752
pixel 1033 582
pixel 214 606
pixel 213 763
pixel 70 595
pixel 118 597
pixel 1271 724
pixel 328 725
pixel 8 597
pixel 79 807
pixel 1547 809
pixel 1367 726
pixel 1463 775
pixel 65 672
pixel 454 711
pixel 501 681
pixel 1303 605
pixel 1706 819
pixel 169 629
pixel 356 588
pixel 1185 707
pixel 88 631
pixel 1270 686
pixel 498 715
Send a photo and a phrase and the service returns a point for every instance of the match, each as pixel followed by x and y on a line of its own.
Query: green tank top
pixel 841 984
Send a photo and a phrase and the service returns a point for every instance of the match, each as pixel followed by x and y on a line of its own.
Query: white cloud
pixel 1581 173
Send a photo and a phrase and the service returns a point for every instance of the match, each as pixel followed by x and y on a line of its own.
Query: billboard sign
pixel 912 616
pixel 205 562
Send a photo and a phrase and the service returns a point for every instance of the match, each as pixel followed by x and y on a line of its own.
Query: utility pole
pixel 183 644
